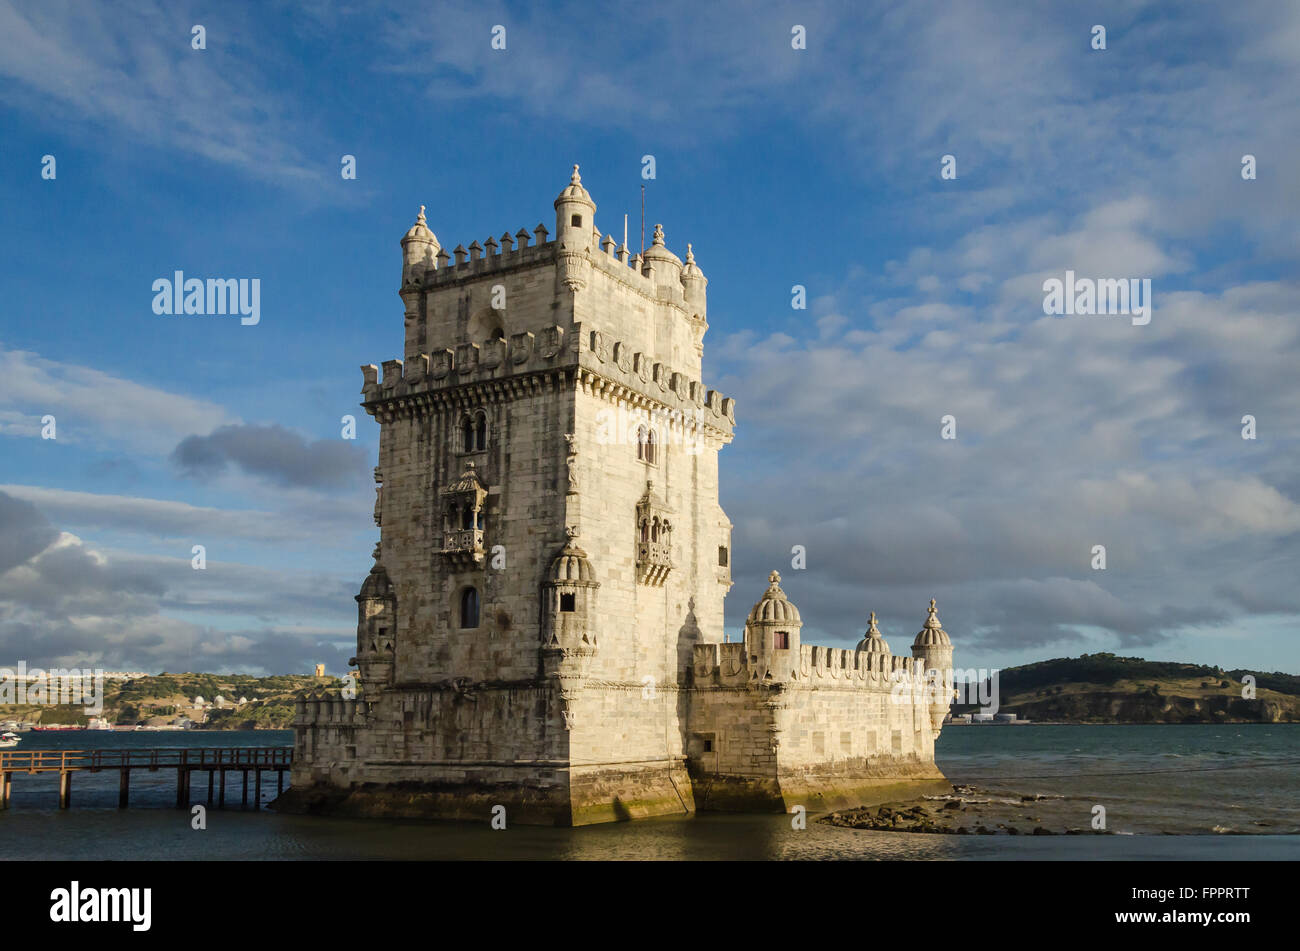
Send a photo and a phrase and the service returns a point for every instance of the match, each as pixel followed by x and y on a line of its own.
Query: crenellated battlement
pixel 730 665
pixel 610 368
pixel 329 710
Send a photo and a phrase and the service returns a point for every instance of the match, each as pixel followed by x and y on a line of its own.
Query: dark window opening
pixel 722 556
pixel 708 746
pixel 480 432
pixel 568 603
pixel 576 221
pixel 781 640
pixel 469 607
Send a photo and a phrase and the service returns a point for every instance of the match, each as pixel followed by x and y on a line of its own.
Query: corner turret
pixel 575 217
pixel 693 284
pixel 419 249
pixel 933 649
pixel 772 633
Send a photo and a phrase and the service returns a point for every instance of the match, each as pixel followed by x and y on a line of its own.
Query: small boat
pixel 57 728
pixel 9 739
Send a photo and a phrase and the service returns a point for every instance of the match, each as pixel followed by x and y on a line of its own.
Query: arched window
pixel 480 432
pixel 466 517
pixel 645 531
pixel 641 442
pixel 466 434
pixel 650 446
pixel 469 607
pixel 654 531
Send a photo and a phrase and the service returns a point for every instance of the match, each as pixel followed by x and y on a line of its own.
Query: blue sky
pixel 817 167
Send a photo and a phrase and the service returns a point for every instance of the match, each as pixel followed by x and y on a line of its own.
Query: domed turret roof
pixel 933 634
pixel 376 587
pixel 690 270
pixel 774 606
pixel 571 565
pixel 419 230
pixel 574 190
pixel 873 642
pixel 658 251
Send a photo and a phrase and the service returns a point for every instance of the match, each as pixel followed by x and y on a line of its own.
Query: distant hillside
pixel 1105 688
pixel 166 697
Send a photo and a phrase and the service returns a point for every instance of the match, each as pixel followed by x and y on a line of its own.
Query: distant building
pixel 320 670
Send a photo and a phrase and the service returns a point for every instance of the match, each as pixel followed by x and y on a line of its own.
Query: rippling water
pixel 1152 780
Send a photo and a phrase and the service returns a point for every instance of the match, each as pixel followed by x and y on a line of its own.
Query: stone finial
pixel 420 217
pixel 443 258
pixel 475 251
pixel 460 253
pixel 507 242
pixel 491 245
pixel 658 236
pixel 522 235
pixel 774 577
pixel 871 624
pixel 690 255
pixel 575 178
pixel 608 245
pixel 541 233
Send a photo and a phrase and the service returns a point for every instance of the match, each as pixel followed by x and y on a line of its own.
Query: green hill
pixel 165 697
pixel 1105 688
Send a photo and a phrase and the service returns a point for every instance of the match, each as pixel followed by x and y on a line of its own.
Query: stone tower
pixel 551 544
pixel 542 626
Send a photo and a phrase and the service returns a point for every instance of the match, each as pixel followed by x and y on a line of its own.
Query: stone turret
pixel 376 627
pixel 575 216
pixel 873 642
pixel 693 284
pixel 772 633
pixel 933 649
pixel 419 249
pixel 569 616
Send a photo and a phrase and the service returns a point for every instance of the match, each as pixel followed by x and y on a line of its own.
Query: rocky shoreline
pixel 968 811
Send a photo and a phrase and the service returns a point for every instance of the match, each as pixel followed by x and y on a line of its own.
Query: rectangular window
pixel 819 742
pixel 781 640
pixel 896 742
pixel 846 742
pixel 722 556
pixel 567 603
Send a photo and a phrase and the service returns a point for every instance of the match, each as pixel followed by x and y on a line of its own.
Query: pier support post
pixel 210 775
pixel 244 804
pixel 65 788
pixel 221 801
pixel 123 787
pixel 257 790
pixel 6 789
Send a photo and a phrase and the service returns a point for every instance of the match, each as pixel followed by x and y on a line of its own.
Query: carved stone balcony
pixel 653 562
pixel 464 547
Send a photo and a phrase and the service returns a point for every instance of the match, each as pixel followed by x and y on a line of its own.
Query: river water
pixel 1169 792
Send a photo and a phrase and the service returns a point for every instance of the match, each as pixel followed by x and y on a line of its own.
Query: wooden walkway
pixel 215 761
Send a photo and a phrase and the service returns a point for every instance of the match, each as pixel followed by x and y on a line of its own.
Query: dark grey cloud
pixel 64 602
pixel 24 531
pixel 273 453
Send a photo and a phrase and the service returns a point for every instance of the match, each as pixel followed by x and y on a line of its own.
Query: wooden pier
pixel 215 761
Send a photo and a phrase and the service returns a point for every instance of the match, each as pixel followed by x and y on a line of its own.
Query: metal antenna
pixel 642 221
